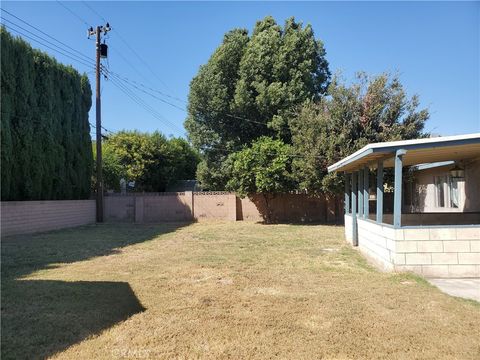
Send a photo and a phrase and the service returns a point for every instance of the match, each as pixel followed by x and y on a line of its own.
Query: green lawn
pixel 219 290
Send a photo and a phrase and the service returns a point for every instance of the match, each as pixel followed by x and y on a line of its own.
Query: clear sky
pixel 434 46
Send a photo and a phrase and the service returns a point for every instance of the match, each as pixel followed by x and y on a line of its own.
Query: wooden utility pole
pixel 98 111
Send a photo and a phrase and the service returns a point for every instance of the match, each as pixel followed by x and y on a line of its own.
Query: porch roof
pixel 418 151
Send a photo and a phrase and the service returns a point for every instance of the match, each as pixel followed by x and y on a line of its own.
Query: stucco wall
pixel 469 189
pixel 24 217
pixel 436 251
pixel 472 186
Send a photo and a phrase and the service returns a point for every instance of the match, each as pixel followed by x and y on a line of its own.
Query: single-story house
pixel 433 228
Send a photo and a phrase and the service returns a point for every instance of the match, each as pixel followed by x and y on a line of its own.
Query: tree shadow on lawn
pixel 39 317
pixel 24 254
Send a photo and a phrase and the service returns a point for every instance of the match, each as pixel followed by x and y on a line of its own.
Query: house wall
pixel 428 219
pixel 472 186
pixel 469 190
pixel 24 217
pixel 435 251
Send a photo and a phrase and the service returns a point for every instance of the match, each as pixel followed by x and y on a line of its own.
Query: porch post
pixel 354 209
pixel 380 191
pixel 360 193
pixel 366 210
pixel 397 199
pixel 346 206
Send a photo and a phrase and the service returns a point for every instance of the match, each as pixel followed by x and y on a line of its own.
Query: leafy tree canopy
pixel 265 167
pixel 151 160
pixel 248 89
pixel 374 109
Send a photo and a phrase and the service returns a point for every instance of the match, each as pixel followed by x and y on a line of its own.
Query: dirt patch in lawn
pixel 220 290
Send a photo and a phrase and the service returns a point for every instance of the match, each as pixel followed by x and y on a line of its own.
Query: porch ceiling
pixel 419 151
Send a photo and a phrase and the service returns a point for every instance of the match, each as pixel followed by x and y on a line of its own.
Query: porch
pixel 434 232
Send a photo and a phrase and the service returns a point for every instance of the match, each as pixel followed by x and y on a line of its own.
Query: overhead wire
pixel 116 82
pixel 82 20
pixel 94 11
pixel 129 47
pixel 72 55
pixel 88 65
pixel 44 33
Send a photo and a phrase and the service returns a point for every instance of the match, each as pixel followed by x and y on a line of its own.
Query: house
pixel 434 226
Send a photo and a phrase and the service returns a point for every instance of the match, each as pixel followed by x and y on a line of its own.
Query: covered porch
pixel 429 224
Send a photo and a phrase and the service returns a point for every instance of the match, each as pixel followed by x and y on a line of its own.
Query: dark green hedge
pixel 46 150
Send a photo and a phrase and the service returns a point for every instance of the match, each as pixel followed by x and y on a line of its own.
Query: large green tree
pixel 265 168
pixel 248 89
pixel 374 109
pixel 45 133
pixel 151 160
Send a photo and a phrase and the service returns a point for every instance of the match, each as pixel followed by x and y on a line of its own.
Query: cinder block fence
pixel 23 217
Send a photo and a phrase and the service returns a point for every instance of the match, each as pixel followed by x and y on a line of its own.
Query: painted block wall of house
pixel 429 251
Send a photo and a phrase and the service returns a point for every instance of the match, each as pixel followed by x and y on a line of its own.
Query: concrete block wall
pixel 348 220
pixel 119 208
pixel 218 206
pixel 440 251
pixel 25 217
pixel 158 207
pixel 429 251
pixel 377 242
pixel 165 208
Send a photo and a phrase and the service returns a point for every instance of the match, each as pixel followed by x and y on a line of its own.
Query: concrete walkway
pixel 466 288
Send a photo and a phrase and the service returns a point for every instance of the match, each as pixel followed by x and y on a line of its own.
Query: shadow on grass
pixel 24 254
pixel 40 318
pixel 44 317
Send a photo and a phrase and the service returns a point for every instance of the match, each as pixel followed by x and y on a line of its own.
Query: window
pixel 446 192
pixel 440 191
pixel 454 198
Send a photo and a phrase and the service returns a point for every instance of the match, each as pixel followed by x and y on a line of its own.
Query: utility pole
pixel 101 52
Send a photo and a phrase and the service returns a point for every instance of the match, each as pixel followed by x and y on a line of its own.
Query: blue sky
pixel 434 46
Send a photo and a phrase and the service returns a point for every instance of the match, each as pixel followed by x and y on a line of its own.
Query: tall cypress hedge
pixel 46 150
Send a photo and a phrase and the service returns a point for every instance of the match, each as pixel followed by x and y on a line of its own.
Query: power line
pixel 72 54
pixel 134 83
pixel 151 89
pixel 44 33
pixel 82 20
pixel 49 47
pixel 146 92
pixel 141 60
pixel 129 47
pixel 137 99
pixel 93 10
